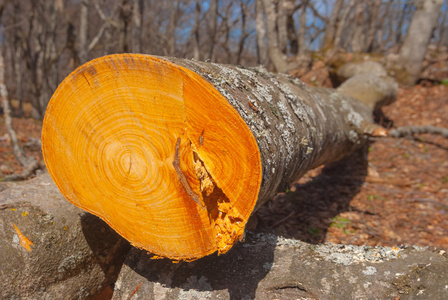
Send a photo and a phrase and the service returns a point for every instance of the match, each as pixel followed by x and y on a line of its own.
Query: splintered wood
pixel 155 151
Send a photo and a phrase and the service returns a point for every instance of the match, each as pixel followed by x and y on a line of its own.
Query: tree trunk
pixel 243 35
pixel 261 33
pixel 83 31
pixel 137 21
pixel 417 39
pixel 292 35
pixel 282 16
pixel 373 25
pixel 197 15
pixel 174 6
pixel 212 23
pixel 358 42
pixel 341 23
pixel 277 57
pixel 156 160
pixel 330 33
pixel 302 44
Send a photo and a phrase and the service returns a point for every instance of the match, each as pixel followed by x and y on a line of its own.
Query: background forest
pixel 43 41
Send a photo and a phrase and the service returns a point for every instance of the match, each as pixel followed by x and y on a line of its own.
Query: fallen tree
pixel 176 154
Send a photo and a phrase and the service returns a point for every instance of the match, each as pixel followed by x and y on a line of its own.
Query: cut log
pixel 176 154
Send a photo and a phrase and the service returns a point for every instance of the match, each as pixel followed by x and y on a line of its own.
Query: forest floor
pixel 399 195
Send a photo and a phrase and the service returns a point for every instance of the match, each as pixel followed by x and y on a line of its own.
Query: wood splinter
pixel 182 178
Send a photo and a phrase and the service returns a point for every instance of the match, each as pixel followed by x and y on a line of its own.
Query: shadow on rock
pixel 307 213
pixel 108 247
pixel 235 275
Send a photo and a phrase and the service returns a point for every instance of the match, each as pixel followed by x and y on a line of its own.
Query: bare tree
pixel 83 30
pixel 277 57
pixel 417 39
pixel 197 14
pixel 332 26
pixel 211 29
pixel 137 22
pixel 261 32
pixel 373 25
pixel 357 40
pixel 302 29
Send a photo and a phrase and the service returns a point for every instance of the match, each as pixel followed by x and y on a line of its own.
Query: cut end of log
pixel 154 150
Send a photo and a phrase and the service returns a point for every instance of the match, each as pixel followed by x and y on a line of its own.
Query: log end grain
pixel 155 151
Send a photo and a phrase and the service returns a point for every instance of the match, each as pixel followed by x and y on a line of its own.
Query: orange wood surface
pixel 156 152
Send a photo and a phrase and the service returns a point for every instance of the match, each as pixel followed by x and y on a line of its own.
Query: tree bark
pixel 417 39
pixel 218 167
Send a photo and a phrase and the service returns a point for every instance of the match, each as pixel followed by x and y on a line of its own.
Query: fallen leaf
pixel 23 240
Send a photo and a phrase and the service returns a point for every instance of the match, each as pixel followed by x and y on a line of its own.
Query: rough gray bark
pixel 297 128
pixel 417 39
pixel 74 255
pixel 271 267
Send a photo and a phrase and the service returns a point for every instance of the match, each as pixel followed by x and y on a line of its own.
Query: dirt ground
pixel 399 195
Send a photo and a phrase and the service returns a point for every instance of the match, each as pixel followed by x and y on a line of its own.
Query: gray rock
pixel 374 91
pixel 270 267
pixel 352 69
pixel 74 254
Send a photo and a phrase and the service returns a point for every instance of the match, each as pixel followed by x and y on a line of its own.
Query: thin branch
pixel 411 130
